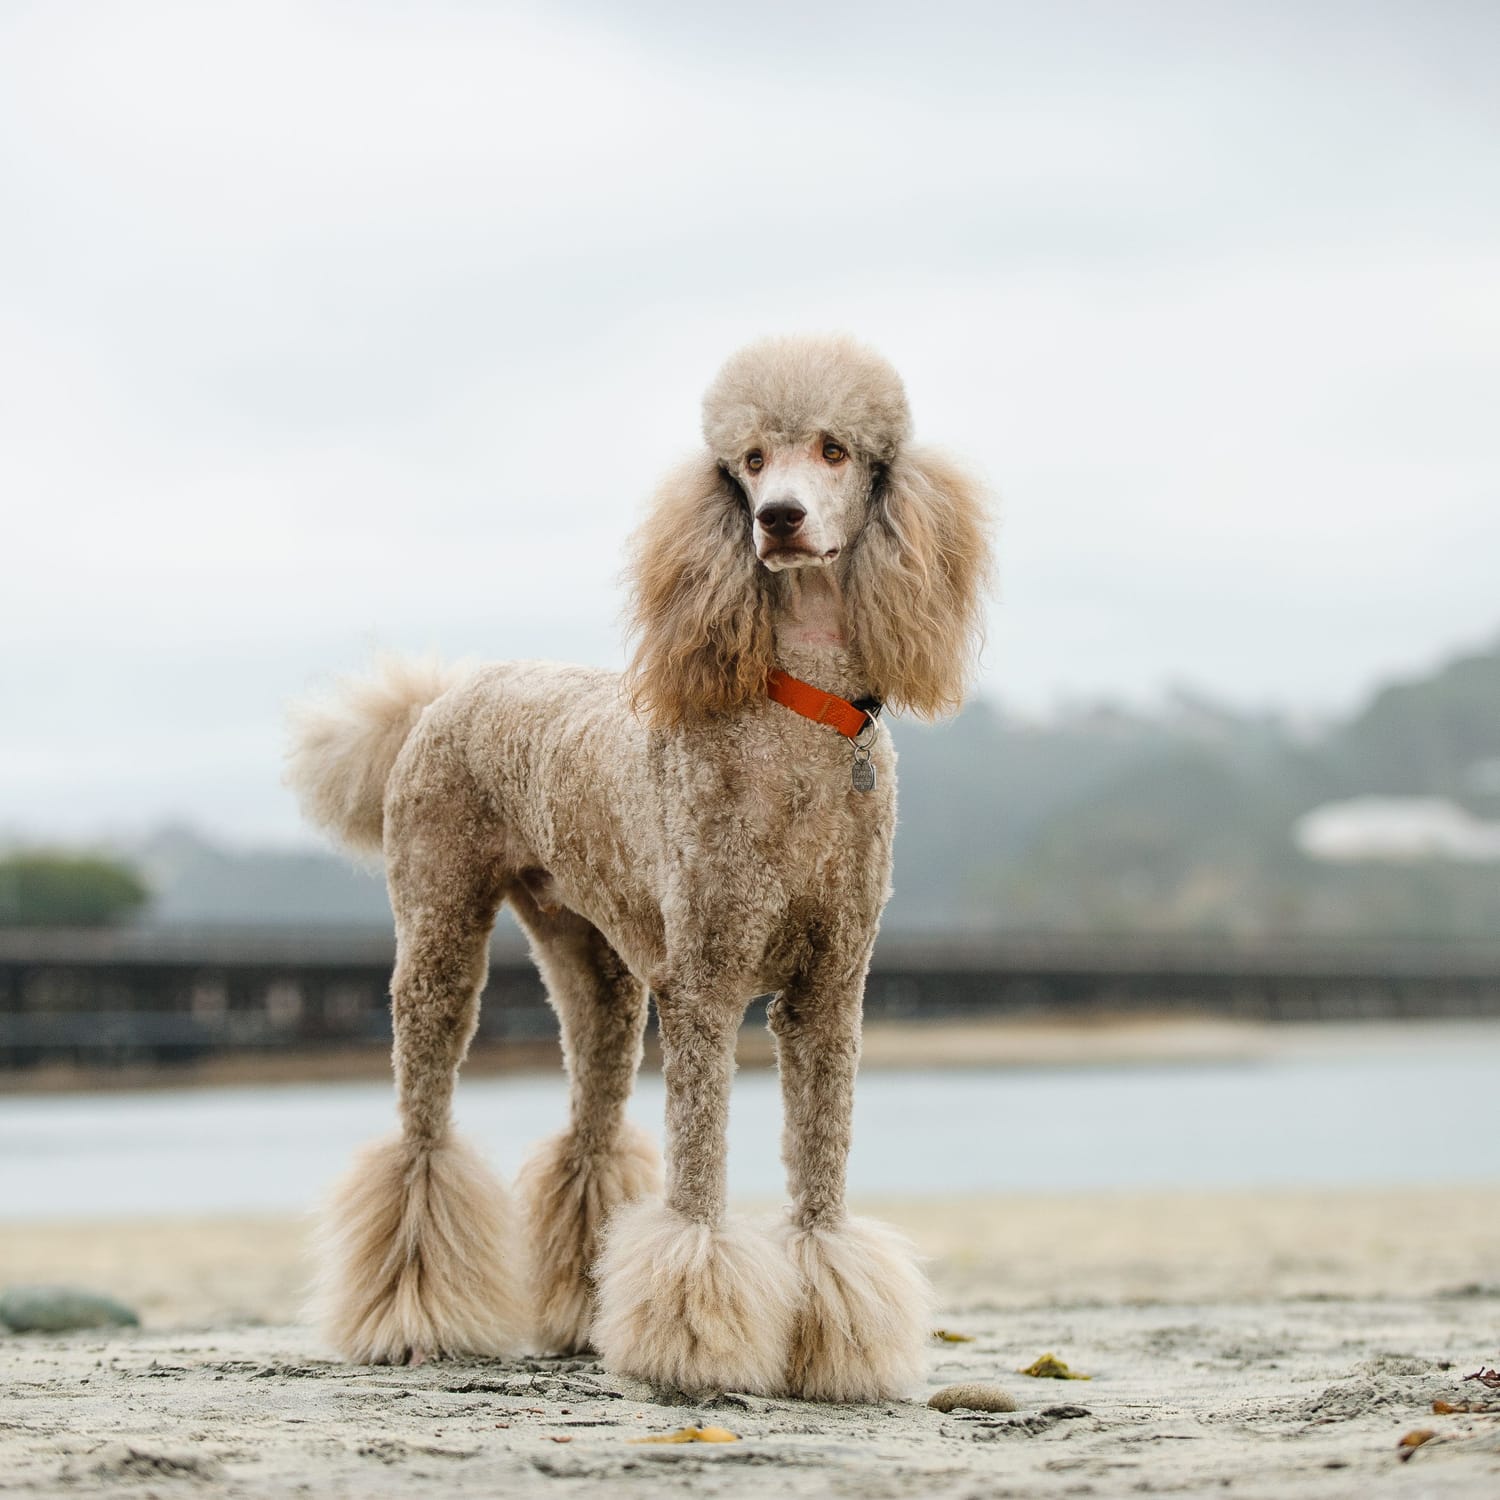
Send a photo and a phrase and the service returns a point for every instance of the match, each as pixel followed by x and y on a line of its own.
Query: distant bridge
pixel 142 995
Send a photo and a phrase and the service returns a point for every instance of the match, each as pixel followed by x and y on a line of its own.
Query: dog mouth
pixel 777 558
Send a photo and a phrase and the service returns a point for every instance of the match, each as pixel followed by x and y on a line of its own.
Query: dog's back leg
pixel 422 1251
pixel 574 1181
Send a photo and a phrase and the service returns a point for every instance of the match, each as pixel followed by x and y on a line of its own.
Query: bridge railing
pixel 139 994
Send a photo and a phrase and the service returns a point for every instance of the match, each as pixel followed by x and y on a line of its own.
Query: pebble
pixel 972 1397
pixel 56 1309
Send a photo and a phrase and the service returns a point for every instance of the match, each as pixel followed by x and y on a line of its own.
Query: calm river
pixel 1377 1107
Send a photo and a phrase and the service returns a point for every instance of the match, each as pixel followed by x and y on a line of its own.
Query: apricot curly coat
pixel 672 831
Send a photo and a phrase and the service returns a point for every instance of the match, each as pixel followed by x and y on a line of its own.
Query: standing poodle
pixel 714 825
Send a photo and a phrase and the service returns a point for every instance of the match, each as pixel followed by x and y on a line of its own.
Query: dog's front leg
pixel 690 1297
pixel 864 1306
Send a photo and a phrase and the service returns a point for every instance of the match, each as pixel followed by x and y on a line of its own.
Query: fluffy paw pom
pixel 691 1306
pixel 421 1257
pixel 862 1316
pixel 568 1195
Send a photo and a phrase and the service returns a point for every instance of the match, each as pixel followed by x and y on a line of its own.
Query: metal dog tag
pixel 864 771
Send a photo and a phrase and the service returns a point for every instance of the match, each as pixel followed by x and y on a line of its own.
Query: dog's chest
pixel 832 847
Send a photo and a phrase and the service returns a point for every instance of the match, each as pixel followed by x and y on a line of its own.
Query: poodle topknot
pixel 798 386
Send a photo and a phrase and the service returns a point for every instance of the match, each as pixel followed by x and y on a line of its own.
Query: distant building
pixel 1396 828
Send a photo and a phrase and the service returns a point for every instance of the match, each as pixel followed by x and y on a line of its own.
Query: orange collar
pixel 850 719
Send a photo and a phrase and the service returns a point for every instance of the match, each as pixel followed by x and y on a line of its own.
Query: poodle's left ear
pixel 917 582
pixel 699 600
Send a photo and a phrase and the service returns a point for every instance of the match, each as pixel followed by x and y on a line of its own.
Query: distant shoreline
pixel 1000 1042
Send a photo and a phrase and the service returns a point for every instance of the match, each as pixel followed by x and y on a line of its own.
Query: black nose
pixel 781 517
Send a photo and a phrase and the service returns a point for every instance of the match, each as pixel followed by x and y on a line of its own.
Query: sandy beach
pixel 1258 1343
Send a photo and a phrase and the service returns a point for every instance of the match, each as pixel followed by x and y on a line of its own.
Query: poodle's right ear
pixel 699 600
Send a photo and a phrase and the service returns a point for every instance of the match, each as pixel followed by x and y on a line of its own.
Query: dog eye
pixel 755 460
pixel 835 453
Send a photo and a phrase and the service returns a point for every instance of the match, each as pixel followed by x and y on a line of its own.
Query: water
pixel 1376 1109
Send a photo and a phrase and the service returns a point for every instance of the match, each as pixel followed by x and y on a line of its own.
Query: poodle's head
pixel 807 464
pixel 803 426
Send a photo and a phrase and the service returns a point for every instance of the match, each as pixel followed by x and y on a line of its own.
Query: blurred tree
pixel 39 888
pixel 1426 736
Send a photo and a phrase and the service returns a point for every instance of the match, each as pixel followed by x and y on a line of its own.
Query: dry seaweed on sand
pixel 1412 1441
pixel 948 1336
pixel 1489 1379
pixel 691 1435
pixel 1050 1367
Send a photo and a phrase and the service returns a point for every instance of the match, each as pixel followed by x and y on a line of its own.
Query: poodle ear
pixel 699 600
pixel 916 586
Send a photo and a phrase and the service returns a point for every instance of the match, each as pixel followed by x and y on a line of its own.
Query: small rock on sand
pixel 56 1309
pixel 972 1397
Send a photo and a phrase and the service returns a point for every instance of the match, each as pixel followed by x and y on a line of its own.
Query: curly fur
pixel 710 847
pixel 694 1307
pixel 864 1313
pixel 343 748
pixel 782 389
pixel 568 1193
pixel 422 1257
pixel 917 582
pixel 700 602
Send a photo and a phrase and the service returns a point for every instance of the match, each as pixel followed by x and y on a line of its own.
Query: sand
pixel 1255 1344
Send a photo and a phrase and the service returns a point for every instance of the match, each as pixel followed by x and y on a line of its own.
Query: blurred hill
pixel 199 882
pixel 1183 820
pixel 1186 821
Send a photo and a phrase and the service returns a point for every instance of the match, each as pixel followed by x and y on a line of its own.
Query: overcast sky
pixel 326 327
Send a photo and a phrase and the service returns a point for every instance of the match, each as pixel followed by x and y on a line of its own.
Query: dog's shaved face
pixel 807 499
